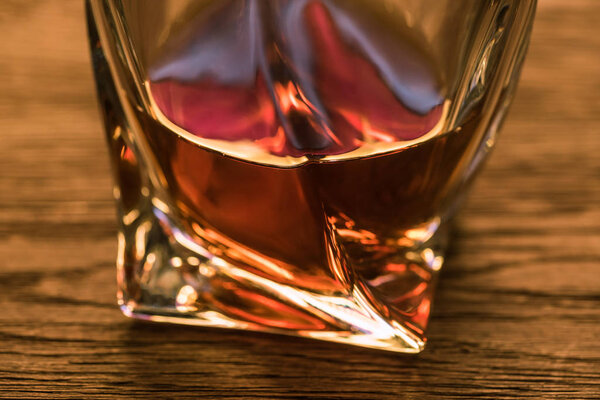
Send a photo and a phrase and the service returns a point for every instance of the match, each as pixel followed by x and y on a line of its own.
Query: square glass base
pixel 167 275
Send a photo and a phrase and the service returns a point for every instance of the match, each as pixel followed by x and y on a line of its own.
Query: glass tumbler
pixel 291 166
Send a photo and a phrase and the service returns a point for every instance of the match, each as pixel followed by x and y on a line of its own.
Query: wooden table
pixel 517 313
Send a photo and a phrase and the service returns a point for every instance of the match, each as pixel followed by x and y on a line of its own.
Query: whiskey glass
pixel 291 166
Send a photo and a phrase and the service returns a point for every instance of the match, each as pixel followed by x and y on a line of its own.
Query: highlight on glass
pixel 291 166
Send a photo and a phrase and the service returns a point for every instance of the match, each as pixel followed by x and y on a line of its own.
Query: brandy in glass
pixel 291 166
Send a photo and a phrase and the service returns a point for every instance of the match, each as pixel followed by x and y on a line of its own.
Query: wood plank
pixel 517 313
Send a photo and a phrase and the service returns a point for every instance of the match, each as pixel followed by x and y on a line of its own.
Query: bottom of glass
pixel 167 275
pixel 383 336
pixel 387 338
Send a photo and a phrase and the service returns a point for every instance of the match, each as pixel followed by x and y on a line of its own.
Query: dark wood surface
pixel 517 312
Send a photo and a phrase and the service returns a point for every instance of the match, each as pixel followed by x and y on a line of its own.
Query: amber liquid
pixel 321 226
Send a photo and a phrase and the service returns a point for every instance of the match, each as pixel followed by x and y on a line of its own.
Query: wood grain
pixel 517 313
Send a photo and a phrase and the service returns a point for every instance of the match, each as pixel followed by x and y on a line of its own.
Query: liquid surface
pixel 284 82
